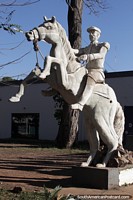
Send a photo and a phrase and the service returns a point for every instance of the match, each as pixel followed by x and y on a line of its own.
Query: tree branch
pixel 13 3
pixel 15 47
pixel 13 61
pixel 95 5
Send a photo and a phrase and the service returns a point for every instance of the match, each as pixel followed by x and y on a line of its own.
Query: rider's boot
pixel 85 96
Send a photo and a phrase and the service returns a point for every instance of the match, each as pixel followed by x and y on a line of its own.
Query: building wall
pixel 31 102
pixel 34 102
pixel 123 87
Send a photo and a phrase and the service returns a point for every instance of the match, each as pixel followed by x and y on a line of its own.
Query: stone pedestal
pixel 102 178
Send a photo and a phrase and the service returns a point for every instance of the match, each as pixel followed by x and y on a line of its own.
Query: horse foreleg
pixel 62 76
pixel 20 93
pixel 47 66
pixel 58 65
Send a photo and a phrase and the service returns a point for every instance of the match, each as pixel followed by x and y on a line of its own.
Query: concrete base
pixel 102 178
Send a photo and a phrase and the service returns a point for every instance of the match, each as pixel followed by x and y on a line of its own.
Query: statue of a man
pixel 94 54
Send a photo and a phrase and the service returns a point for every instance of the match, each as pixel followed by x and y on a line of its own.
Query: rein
pixel 37 49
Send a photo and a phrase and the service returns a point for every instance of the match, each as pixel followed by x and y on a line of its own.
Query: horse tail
pixel 119 123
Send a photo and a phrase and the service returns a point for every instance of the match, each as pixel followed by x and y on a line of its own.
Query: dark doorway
pixel 25 125
pixel 128 111
pixel 128 133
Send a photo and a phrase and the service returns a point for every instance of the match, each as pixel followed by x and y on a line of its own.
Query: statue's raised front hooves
pixel 14 99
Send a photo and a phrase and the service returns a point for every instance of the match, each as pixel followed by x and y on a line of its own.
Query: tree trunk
pixel 69 122
pixel 75 22
pixel 68 128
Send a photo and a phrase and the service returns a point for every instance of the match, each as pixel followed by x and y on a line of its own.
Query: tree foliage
pixel 96 6
pixel 6 17
pixel 7 78
pixel 6 14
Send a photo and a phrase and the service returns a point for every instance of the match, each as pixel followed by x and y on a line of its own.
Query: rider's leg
pixel 86 94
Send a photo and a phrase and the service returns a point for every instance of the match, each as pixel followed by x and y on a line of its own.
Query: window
pixel 25 125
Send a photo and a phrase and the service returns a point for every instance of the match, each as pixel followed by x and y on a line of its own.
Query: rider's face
pixel 94 35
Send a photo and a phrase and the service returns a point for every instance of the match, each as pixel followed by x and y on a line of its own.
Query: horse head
pixel 47 31
pixel 53 33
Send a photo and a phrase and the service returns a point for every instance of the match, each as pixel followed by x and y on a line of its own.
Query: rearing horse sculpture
pixel 103 114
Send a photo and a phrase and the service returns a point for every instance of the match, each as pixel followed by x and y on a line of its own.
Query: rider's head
pixel 94 33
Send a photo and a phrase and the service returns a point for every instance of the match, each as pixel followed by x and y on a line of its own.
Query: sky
pixel 116 24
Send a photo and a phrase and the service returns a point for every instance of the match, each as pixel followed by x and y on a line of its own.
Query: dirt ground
pixel 31 167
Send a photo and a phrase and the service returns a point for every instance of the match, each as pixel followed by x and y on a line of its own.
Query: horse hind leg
pixel 109 137
pixel 94 146
pixel 94 143
pixel 111 149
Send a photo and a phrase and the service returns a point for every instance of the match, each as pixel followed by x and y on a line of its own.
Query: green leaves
pixel 11 28
pixel 6 24
pixel 53 194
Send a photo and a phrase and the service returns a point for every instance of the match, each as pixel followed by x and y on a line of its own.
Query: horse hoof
pixel 14 99
pixel 77 106
pixel 43 75
pixel 100 165
pixel 84 164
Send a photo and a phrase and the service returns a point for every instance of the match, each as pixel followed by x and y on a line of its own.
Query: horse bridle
pixel 36 48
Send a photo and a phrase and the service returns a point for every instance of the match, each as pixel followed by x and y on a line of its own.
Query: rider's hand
pixel 82 58
pixel 76 51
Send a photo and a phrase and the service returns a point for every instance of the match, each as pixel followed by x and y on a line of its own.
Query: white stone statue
pixel 103 114
pixel 94 54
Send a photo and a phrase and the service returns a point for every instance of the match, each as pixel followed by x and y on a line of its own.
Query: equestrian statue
pixel 84 88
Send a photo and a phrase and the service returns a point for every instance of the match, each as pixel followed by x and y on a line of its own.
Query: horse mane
pixel 66 44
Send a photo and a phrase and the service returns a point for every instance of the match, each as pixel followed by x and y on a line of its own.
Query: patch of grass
pixel 8 195
pixel 40 145
pixel 46 195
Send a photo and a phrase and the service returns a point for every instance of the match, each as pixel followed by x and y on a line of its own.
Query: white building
pixel 122 83
pixel 33 116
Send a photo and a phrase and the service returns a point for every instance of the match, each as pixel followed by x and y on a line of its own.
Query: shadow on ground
pixel 31 167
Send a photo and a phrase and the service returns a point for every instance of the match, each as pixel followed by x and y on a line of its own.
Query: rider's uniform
pixel 95 67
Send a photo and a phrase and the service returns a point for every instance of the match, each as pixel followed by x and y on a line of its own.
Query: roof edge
pixel 118 74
